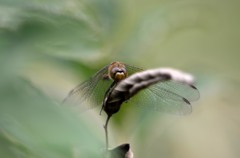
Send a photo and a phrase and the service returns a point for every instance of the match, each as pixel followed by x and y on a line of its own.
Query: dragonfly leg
pixel 101 109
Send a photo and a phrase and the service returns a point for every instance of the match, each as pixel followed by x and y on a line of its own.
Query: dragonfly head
pixel 117 71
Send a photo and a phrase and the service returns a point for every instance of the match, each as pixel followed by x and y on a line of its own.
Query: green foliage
pixel 49 46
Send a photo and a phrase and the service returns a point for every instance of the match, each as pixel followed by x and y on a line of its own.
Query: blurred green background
pixel 49 46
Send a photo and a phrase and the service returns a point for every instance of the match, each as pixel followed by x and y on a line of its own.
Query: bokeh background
pixel 49 46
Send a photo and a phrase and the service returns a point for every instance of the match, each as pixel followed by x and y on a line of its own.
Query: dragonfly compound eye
pixel 117 71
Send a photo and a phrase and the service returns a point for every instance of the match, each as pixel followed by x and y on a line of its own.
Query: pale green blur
pixel 48 47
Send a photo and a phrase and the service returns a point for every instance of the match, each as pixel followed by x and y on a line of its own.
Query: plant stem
pixel 106 130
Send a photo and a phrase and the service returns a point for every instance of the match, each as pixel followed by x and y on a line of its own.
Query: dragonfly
pixel 92 91
pixel 161 89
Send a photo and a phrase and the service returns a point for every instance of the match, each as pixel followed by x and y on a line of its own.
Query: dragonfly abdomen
pixel 125 89
pixel 135 83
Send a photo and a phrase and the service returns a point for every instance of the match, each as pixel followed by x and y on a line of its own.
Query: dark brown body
pixel 111 103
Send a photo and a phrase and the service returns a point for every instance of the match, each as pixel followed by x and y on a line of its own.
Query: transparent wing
pixel 132 69
pixel 187 91
pixel 169 96
pixel 92 92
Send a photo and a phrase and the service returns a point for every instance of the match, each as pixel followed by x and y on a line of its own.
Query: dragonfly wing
pixel 167 96
pixel 90 92
pixel 153 101
pixel 185 90
pixel 132 69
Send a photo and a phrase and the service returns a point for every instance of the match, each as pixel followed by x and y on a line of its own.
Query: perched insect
pixel 93 91
pixel 166 90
